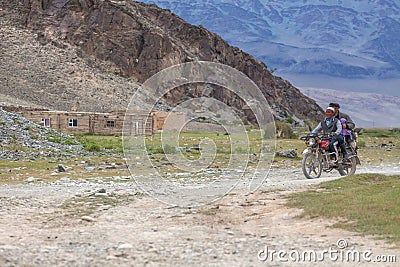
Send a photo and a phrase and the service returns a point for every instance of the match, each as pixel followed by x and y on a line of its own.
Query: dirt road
pixel 109 222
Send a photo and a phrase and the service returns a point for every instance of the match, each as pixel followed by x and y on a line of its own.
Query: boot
pixel 344 151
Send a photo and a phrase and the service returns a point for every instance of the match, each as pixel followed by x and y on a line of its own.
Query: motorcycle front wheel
pixel 311 166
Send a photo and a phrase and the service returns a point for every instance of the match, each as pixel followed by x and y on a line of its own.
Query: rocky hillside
pixel 90 54
pixel 20 137
pixel 53 74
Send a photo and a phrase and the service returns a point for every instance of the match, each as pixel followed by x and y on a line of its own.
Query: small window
pixel 73 123
pixel 110 124
pixel 46 122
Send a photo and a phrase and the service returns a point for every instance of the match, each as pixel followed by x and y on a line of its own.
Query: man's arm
pixel 339 127
pixel 316 130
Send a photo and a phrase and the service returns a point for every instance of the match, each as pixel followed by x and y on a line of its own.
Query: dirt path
pixel 45 225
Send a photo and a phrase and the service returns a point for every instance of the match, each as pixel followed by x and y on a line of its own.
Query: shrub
pixel 168 149
pixel 93 147
pixel 289 119
pixel 284 130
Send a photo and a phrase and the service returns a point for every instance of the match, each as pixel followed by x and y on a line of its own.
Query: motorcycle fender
pixel 306 151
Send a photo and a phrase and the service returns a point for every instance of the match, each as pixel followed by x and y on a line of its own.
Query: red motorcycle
pixel 318 156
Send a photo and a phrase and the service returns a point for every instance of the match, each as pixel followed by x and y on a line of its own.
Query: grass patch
pixel 376 132
pixel 98 143
pixel 193 144
pixel 192 139
pixel 15 172
pixel 365 203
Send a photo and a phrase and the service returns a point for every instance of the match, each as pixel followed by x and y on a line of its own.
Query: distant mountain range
pixel 366 109
pixel 309 40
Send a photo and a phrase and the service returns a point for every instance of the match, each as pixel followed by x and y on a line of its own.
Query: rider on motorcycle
pixel 340 115
pixel 332 126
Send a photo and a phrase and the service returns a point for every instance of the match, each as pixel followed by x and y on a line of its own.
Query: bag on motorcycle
pixel 325 144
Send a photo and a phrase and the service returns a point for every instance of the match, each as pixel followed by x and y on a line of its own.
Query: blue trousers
pixel 340 140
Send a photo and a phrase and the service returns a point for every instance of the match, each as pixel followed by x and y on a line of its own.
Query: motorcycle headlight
pixel 311 141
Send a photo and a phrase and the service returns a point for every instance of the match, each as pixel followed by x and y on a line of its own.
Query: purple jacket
pixel 345 131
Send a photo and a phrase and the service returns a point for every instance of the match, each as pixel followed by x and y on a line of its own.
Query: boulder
pixel 291 153
pixel 61 168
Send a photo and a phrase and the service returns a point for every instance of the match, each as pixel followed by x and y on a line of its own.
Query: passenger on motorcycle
pixel 350 125
pixel 332 126
pixel 347 133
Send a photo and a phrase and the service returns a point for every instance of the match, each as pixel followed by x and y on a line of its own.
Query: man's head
pixel 336 106
pixel 329 112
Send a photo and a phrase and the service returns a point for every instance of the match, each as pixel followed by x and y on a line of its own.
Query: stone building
pixel 112 123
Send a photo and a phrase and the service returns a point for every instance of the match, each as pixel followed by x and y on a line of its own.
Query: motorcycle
pixel 318 157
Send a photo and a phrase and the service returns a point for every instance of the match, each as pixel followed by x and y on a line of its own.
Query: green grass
pixel 15 172
pixel 98 143
pixel 12 172
pixel 223 143
pixel 376 132
pixel 366 203
pixel 58 140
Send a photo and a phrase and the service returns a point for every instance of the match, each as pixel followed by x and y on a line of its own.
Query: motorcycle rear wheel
pixel 348 168
pixel 311 166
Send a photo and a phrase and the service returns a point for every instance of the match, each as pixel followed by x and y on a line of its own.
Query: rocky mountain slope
pixel 91 54
pixel 52 73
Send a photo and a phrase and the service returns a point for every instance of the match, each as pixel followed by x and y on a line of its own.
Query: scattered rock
pixel 101 195
pixel 65 180
pixel 107 166
pixel 61 168
pixel 8 247
pixel 30 180
pixel 291 153
pixel 125 246
pixel 120 192
pixel 88 219
pixel 196 147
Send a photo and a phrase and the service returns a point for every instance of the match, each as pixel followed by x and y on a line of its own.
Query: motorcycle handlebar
pixel 317 135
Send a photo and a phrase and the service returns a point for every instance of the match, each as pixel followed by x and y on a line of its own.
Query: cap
pixel 334 105
pixel 331 109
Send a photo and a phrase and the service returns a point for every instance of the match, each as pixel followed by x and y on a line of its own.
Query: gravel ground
pixel 109 222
